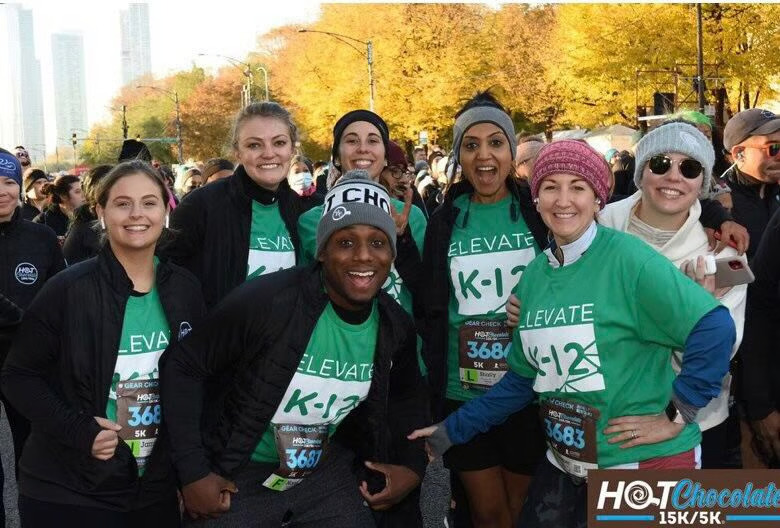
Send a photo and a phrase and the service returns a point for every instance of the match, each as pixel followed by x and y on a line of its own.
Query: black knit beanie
pixel 359 115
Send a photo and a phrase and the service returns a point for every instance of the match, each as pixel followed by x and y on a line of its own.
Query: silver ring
pixel 633 434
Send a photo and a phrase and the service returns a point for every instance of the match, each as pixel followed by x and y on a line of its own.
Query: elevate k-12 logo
pixel 702 498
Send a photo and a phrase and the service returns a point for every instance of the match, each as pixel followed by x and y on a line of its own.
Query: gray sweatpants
pixel 328 498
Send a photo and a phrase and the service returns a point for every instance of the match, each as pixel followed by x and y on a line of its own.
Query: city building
pixel 136 52
pixel 21 94
pixel 70 85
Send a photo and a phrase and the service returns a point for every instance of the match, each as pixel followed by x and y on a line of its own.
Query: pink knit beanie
pixel 569 156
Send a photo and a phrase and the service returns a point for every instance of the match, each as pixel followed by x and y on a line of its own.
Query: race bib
pixel 483 347
pixel 570 428
pixel 300 449
pixel 139 413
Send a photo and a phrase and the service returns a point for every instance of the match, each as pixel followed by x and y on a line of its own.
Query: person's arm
pixel 32 361
pixel 57 259
pixel 714 217
pixel 762 326
pixel 307 234
pixel 510 395
pixel 407 405
pixel 188 222
pixel 212 347
pixel 10 317
pixel 408 261
pixel 705 360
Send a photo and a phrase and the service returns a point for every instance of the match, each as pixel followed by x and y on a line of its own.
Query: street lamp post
pixel 369 55
pixel 246 69
pixel 175 99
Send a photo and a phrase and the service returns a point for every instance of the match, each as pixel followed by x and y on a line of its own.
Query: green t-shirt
pixel 333 377
pixel 270 246
pixel 486 258
pixel 601 331
pixel 145 335
pixel 394 285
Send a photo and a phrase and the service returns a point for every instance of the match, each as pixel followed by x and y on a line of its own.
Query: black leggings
pixel 41 514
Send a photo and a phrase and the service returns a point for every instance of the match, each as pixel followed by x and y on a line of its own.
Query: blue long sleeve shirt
pixel 704 363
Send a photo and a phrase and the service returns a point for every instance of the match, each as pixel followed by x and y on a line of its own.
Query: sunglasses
pixel 689 168
pixel 772 149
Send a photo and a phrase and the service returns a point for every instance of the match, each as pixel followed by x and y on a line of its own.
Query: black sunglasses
pixel 661 164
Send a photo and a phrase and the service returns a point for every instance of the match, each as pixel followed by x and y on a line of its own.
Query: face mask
pixel 300 181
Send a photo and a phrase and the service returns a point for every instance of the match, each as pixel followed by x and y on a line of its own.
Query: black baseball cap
pixel 752 122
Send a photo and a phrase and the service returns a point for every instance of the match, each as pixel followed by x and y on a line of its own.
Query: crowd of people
pixel 282 342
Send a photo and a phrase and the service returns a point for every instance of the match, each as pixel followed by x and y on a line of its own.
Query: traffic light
pixel 73 140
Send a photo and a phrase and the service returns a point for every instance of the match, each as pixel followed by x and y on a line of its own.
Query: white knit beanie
pixel 681 138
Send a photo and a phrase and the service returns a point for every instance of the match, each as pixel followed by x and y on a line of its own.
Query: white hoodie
pixel 689 242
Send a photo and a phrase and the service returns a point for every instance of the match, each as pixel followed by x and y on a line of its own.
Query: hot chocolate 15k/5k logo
pixel 26 273
pixel 703 498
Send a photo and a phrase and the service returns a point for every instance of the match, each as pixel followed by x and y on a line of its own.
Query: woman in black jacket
pixel 65 197
pixel 84 370
pixel 83 239
pixel 245 225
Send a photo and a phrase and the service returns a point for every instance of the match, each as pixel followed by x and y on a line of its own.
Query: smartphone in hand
pixel 732 271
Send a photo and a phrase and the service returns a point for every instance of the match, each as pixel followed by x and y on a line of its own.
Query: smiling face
pixel 264 148
pixel 361 147
pixel 486 158
pixel 134 213
pixel 9 198
pixel 567 205
pixel 667 198
pixel 356 262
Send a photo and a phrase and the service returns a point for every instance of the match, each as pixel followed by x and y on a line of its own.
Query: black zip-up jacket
pixel 436 278
pixel 53 217
pixel 760 348
pixel 58 376
pixel 750 209
pixel 29 211
pixel 222 386
pixel 29 256
pixel 213 224
pixel 83 240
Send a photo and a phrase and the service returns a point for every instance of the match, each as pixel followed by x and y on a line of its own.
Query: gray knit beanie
pixel 355 199
pixel 483 114
pixel 676 137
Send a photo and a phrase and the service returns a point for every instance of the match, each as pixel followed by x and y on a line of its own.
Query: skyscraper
pixel 21 94
pixel 70 85
pixel 136 48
